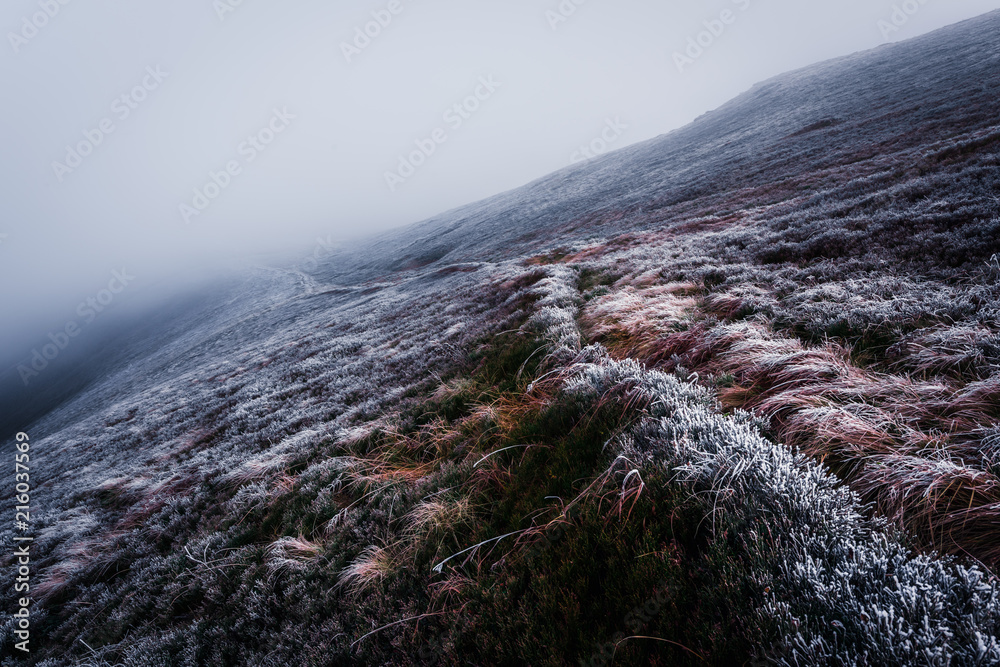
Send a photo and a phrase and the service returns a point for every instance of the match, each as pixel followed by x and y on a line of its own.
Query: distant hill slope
pixel 855 112
pixel 736 389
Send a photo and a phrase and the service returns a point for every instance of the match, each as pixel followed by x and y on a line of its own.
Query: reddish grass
pixel 911 444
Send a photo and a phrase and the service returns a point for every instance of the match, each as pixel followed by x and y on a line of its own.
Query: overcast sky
pixel 115 114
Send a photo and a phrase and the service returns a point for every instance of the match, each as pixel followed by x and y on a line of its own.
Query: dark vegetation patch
pixel 818 125
pixel 412 262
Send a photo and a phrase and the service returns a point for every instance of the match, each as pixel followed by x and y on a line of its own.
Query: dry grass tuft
pixel 290 554
pixel 439 517
pixel 368 569
pixel 627 320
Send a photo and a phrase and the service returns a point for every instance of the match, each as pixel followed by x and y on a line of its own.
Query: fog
pixel 164 140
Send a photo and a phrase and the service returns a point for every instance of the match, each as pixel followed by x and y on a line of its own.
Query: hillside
pixel 730 396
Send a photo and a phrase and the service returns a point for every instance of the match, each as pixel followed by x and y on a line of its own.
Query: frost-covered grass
pixel 519 507
pixel 213 457
pixel 841 587
pixel 908 428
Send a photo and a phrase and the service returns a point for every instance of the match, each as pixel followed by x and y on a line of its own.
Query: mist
pixel 150 147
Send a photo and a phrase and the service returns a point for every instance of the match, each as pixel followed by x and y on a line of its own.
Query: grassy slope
pixel 639 522
pixel 293 483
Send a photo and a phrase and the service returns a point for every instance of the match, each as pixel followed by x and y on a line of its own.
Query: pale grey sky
pixel 184 85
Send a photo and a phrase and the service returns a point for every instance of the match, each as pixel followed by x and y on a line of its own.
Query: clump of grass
pixel 291 553
pixel 957 352
pixel 993 267
pixel 433 524
pixel 370 568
